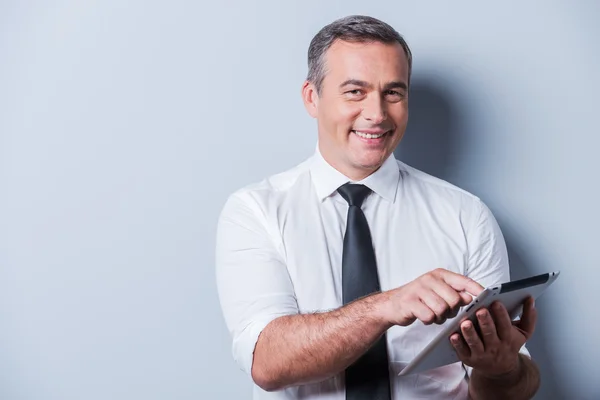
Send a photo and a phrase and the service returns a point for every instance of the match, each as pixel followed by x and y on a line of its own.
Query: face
pixel 362 108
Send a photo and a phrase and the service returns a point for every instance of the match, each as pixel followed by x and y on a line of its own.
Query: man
pixel 334 274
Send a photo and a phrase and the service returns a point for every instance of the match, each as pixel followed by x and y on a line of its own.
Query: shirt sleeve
pixel 252 278
pixel 488 256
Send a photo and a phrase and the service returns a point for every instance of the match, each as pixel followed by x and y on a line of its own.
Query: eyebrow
pixel 388 86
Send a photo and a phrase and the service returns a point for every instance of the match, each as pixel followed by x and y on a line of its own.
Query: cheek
pixel 399 114
pixel 347 113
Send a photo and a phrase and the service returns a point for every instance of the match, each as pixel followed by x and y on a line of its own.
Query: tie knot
pixel 354 194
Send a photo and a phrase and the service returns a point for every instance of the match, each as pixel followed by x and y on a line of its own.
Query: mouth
pixel 372 135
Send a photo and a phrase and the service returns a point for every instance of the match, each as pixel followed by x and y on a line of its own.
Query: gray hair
pixel 354 28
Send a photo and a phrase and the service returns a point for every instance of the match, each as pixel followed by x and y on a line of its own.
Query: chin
pixel 371 159
pixel 369 163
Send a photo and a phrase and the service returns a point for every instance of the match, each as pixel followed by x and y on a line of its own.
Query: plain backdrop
pixel 124 125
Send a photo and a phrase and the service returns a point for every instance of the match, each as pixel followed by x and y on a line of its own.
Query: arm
pixel 299 349
pixel 305 348
pixel 499 370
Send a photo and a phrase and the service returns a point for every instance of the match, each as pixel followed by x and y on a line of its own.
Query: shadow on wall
pixel 436 141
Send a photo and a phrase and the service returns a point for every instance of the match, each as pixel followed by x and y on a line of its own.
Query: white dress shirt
pixel 279 252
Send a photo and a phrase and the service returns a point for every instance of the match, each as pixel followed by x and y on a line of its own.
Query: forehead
pixel 370 61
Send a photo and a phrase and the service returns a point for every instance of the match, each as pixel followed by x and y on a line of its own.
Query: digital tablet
pixel 513 294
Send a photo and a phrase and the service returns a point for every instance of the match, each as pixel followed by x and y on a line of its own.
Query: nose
pixel 374 110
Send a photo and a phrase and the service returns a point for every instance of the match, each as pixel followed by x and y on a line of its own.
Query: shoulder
pixel 439 195
pixel 431 184
pixel 267 193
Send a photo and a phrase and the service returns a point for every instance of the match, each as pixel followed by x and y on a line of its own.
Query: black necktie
pixel 368 378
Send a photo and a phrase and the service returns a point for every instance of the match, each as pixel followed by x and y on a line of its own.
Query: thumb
pixel 466 297
pixel 528 320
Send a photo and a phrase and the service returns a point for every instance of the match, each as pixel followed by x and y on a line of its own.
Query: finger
pixel 452 313
pixel 463 302
pixel 452 298
pixel 459 282
pixel 528 319
pixel 487 327
pixel 423 313
pixel 502 320
pixel 435 303
pixel 460 346
pixel 471 338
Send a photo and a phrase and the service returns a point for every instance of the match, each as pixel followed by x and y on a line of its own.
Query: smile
pixel 365 135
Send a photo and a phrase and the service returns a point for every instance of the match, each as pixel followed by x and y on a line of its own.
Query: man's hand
pixel 496 352
pixel 431 298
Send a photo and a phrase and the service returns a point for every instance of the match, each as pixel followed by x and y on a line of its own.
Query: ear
pixel 310 98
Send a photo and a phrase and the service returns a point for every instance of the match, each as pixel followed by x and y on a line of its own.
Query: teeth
pixel 368 135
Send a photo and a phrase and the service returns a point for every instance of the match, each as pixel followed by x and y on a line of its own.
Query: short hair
pixel 353 28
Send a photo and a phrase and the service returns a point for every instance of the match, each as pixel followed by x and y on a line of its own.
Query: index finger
pixel 459 282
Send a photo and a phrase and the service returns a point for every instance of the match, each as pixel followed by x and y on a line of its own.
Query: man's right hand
pixel 431 298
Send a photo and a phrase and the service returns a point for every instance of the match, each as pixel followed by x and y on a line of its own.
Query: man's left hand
pixel 496 352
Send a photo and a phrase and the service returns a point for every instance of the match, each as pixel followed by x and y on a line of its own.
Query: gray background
pixel 124 126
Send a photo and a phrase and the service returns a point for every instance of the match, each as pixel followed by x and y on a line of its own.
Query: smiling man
pixel 334 274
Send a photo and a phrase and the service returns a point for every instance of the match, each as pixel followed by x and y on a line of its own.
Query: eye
pixel 354 92
pixel 394 95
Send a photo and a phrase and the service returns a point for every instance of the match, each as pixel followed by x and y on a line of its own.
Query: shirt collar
pixel 327 179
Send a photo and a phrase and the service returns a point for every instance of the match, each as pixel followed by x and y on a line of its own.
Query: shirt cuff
pixel 245 343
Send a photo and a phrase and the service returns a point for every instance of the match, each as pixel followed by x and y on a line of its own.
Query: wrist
pixel 509 375
pixel 380 304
